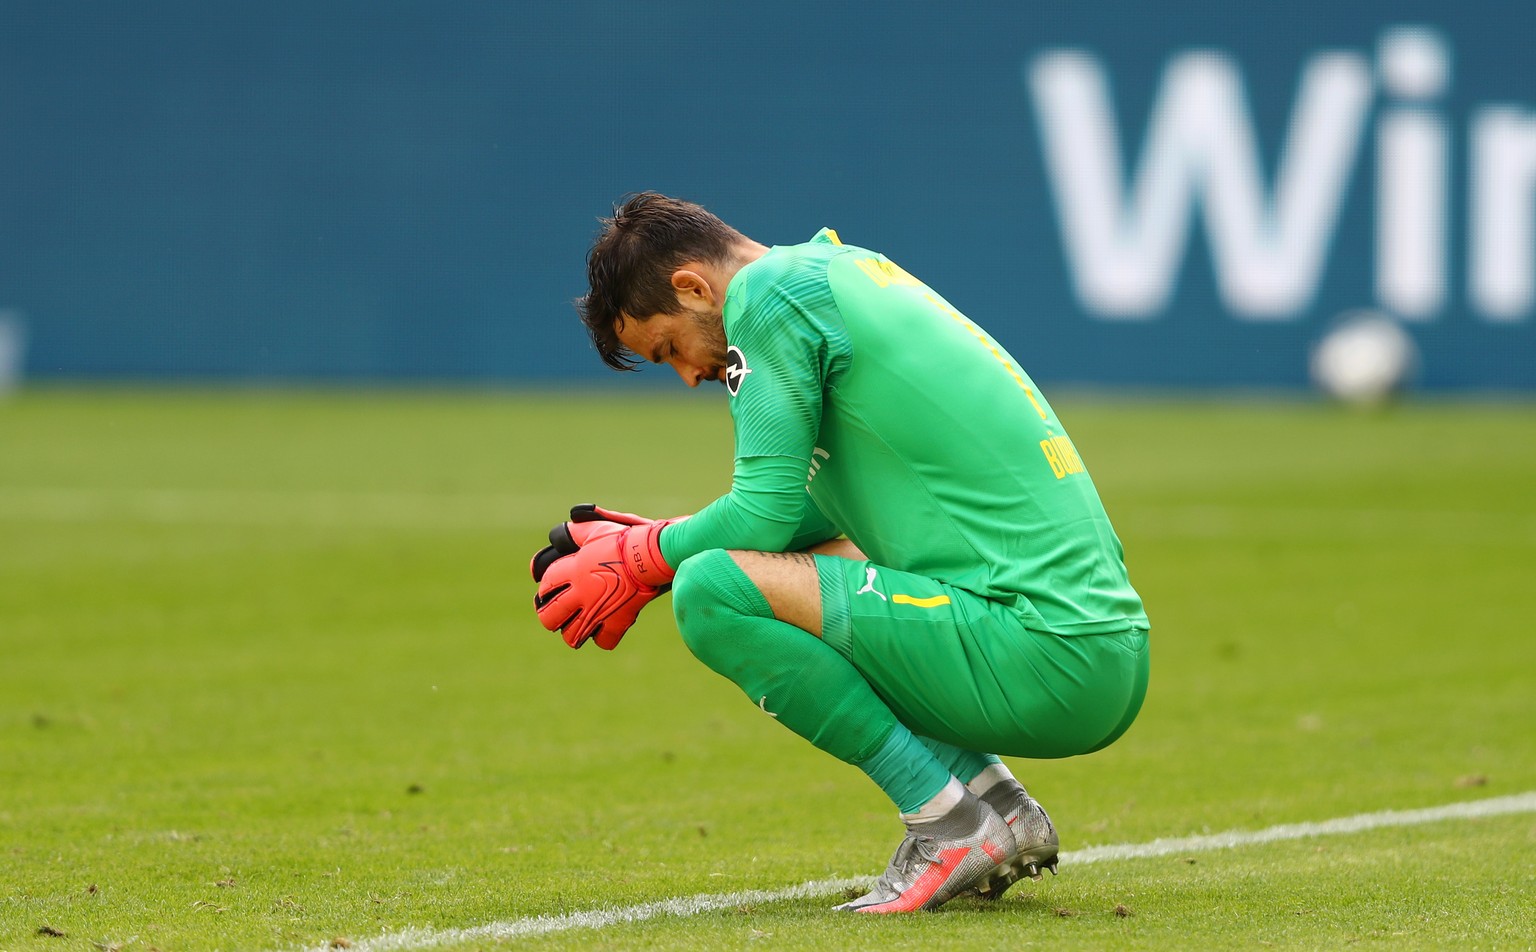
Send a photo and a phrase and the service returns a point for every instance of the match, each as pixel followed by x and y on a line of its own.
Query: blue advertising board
pixel 1175 195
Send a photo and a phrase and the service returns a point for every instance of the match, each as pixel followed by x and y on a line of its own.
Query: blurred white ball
pixel 1364 359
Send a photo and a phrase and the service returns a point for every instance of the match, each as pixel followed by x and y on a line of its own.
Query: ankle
pixel 990 777
pixel 939 805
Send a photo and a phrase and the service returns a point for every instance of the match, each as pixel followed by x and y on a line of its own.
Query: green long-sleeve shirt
pixel 864 403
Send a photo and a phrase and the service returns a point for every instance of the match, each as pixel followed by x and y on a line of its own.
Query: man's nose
pixel 691 375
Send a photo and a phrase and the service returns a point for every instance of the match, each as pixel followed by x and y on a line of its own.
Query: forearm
pixel 767 510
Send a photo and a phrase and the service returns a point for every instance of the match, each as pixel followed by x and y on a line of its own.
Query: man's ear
pixel 691 285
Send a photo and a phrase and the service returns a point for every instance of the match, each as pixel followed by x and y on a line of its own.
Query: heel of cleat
pixel 1007 875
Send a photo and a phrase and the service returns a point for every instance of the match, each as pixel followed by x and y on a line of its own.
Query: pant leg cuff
pixel 836 623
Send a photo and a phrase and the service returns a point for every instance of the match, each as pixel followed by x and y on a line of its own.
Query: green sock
pixel 965 764
pixel 906 770
pixel 795 677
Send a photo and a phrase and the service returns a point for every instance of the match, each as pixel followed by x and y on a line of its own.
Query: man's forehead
pixel 637 334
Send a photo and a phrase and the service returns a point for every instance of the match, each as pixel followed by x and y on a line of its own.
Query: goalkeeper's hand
pixel 599 570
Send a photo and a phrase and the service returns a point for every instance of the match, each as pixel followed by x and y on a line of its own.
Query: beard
pixel 711 328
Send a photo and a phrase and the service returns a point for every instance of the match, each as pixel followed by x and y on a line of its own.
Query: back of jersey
pixel 939 456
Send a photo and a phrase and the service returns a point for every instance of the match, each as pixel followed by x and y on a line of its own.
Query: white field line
pixel 1470 810
pixel 422 938
pixel 455 511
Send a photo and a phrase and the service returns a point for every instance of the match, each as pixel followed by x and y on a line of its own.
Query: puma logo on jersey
pixel 869 585
pixel 736 369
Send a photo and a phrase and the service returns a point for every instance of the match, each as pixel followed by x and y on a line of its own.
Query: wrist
pixel 643 557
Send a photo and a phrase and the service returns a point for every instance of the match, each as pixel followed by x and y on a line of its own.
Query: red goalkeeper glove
pixel 599 570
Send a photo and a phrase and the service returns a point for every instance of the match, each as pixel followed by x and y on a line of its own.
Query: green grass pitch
pixel 270 679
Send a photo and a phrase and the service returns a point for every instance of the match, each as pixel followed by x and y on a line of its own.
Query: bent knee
pixel 789 582
pixel 709 590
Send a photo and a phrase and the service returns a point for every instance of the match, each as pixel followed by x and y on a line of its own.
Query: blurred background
pixel 369 192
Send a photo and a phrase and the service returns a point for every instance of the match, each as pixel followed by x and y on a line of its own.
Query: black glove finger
pixel 585 512
pixel 542 598
pixel 560 538
pixel 560 545
pixel 543 559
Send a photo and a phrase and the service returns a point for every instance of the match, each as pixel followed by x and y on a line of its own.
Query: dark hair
pixel 630 266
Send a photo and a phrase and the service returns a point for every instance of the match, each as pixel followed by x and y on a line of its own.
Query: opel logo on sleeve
pixel 736 369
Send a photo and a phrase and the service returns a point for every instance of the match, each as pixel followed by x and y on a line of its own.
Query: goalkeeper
pixel 912 569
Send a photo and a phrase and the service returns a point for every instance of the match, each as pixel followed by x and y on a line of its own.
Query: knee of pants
pixel 703 603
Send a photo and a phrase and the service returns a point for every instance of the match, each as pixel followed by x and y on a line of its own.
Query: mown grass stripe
pixel 454 511
pixel 313 508
pixel 423 938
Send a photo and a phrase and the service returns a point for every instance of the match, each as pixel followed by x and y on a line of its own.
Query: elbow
pixel 770 536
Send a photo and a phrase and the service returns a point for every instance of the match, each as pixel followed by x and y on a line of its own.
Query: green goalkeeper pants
pixel 960 668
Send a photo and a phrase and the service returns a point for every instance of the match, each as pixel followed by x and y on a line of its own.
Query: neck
pixel 744 253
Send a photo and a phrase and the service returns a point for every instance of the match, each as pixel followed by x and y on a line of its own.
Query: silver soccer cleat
pixel 1035 842
pixel 965 850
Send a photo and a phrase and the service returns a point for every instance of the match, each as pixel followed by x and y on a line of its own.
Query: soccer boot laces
pixel 1035 842
pixel 964 850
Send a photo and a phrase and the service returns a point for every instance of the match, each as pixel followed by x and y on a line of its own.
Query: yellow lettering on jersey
pixel 867 265
pixel 996 353
pixel 885 273
pixel 933 602
pixel 833 236
pixel 1049 449
pixel 1036 403
pixel 1069 455
pixel 1062 456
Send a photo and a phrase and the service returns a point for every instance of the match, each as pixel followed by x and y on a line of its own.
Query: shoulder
pixel 788 269
pixel 789 278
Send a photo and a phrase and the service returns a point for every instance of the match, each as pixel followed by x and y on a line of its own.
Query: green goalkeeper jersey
pixel 864 403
